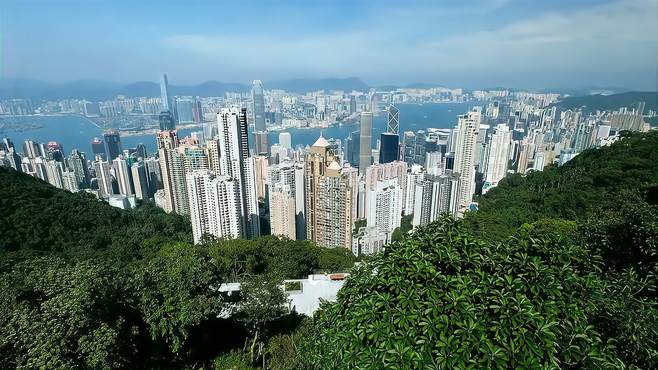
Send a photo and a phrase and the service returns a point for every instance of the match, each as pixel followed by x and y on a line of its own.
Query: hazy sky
pixel 514 43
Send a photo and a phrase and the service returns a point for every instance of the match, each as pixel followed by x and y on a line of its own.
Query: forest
pixel 557 269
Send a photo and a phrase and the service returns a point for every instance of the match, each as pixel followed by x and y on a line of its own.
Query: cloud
pixel 613 43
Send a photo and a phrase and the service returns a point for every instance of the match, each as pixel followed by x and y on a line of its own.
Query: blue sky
pixel 514 43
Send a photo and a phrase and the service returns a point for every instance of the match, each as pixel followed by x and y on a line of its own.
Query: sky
pixel 465 43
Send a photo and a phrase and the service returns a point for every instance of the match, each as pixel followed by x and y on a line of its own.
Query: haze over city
pixel 472 44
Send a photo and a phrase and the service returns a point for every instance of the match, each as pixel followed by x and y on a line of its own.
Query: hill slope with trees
pixel 556 269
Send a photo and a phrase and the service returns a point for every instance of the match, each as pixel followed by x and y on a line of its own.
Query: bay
pixel 77 132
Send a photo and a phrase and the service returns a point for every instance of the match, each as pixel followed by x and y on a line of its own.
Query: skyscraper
pixel 123 175
pixel 389 147
pixel 140 180
pixel 185 109
pixel 385 207
pixel 112 144
pixel 498 154
pixel 214 205
pixel 286 181
pixel 164 94
pixel 467 130
pixel 282 210
pixel 328 198
pixel 172 168
pixel 258 106
pixel 260 143
pixel 365 142
pixel 285 140
pixel 233 155
pixel 167 121
pixel 98 149
pixel 393 120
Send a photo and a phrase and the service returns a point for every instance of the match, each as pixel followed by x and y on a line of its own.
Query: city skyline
pixel 557 45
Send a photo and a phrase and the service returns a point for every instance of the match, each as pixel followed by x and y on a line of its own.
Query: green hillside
pixel 592 103
pixel 556 270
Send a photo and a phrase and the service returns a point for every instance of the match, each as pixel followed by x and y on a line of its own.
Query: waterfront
pixel 77 132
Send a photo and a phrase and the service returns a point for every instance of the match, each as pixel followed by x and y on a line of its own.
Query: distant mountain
pixel 99 90
pixel 591 103
pixel 304 85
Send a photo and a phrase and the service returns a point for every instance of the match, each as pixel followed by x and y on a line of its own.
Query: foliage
pixel 278 256
pixel 174 292
pixel 403 230
pixel 234 360
pixel 593 179
pixel 55 314
pixel 445 299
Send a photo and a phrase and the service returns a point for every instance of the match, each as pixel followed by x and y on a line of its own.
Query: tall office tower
pixel 282 211
pixel 467 127
pixel 499 153
pixel 365 142
pixel 123 176
pixel 288 176
pixel 385 207
pixel 172 168
pixel 164 94
pixel 98 149
pixel 69 181
pixel 77 163
pixel 353 148
pixel 31 149
pixel 352 104
pixel 415 175
pixel 285 140
pixel 260 143
pixel 328 199
pixel 112 144
pixel 197 111
pixel 167 121
pixel 389 147
pixel 185 109
pixel 140 180
pixel 214 205
pixel 409 147
pixel 481 155
pixel 258 106
pixel 54 171
pixel 393 120
pixel 233 155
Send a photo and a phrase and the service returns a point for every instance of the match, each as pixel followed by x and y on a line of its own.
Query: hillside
pixel 86 285
pixel 557 269
pixel 592 103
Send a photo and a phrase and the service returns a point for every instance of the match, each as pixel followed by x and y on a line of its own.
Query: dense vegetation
pixel 556 269
pixel 83 284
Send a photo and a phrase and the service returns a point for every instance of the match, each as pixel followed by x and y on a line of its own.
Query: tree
pixel 443 298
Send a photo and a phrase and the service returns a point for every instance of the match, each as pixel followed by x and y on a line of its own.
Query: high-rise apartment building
pixel 286 181
pixel 385 207
pixel 123 176
pixel 328 198
pixel 499 153
pixel 467 130
pixel 214 205
pixel 233 158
